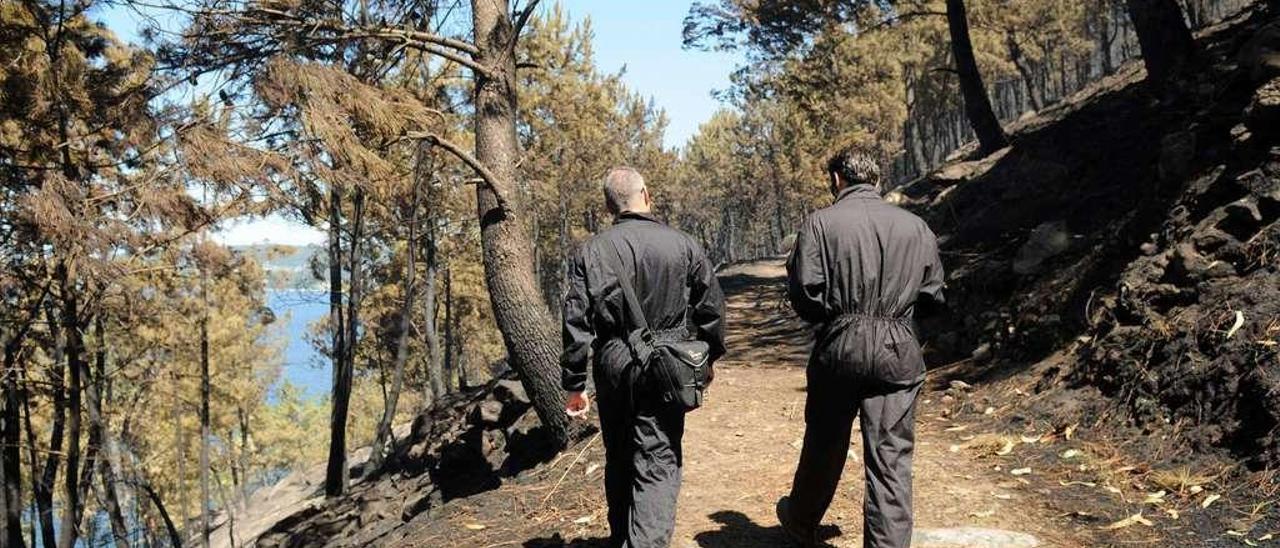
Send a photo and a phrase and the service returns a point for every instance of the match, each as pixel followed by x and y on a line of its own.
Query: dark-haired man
pixel 673 282
pixel 859 271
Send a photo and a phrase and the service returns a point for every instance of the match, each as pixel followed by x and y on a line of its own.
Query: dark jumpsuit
pixel 677 289
pixel 859 270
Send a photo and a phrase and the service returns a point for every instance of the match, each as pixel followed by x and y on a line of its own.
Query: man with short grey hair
pixel 673 283
pixel 860 271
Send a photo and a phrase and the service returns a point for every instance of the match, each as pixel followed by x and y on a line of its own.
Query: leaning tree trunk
pixel 402 339
pixel 977 105
pixel 1028 76
pixel 335 479
pixel 1166 42
pixel 522 317
pixel 175 538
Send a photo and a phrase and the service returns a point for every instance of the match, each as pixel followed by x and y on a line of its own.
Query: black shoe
pixel 798 534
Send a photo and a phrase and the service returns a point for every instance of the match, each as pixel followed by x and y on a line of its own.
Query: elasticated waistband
pixel 858 316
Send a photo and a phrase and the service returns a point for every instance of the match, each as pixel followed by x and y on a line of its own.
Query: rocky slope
pixel 1136 241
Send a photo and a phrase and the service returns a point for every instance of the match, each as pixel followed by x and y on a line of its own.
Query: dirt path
pixel 742 448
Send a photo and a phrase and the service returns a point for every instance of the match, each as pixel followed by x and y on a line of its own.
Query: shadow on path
pixel 737 530
pixel 557 541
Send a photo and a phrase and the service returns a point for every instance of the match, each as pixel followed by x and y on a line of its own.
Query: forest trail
pixel 742 448
pixel 740 453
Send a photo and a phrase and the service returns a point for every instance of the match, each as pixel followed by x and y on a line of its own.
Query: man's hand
pixel 578 405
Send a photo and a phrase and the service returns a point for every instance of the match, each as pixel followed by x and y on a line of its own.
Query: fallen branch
pixel 570 468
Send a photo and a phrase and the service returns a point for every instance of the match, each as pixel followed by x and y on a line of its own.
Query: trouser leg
pixel 615 432
pixel 826 445
pixel 656 440
pixel 888 441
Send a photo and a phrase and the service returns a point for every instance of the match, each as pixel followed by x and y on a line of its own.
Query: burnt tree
pixel 977 105
pixel 1166 42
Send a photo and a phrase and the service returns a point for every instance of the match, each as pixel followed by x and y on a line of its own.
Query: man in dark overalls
pixel 859 271
pixel 676 286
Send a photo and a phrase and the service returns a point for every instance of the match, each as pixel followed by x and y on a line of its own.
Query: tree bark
pixel 376 455
pixel 435 369
pixel 450 366
pixel 43 491
pixel 245 434
pixel 99 431
pixel 174 537
pixel 11 434
pixel 335 480
pixel 75 347
pixel 41 495
pixel 180 442
pixel 977 105
pixel 1028 76
pixel 527 329
pixel 205 510
pixel 1166 42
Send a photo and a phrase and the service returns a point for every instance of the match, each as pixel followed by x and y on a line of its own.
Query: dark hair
pixel 856 165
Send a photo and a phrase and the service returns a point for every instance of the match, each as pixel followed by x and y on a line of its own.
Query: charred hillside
pixel 1132 236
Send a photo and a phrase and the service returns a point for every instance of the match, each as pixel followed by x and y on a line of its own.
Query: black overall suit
pixel 678 291
pixel 859 270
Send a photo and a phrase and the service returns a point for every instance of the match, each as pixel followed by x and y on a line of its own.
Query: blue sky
pixel 642 37
pixel 645 38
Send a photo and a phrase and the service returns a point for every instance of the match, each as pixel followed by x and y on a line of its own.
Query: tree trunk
pixel 1028 76
pixel 1166 42
pixel 41 494
pixel 335 479
pixel 180 442
pixel 402 338
pixel 529 334
pixel 43 491
pixel 977 105
pixel 205 501
pixel 435 369
pixel 245 434
pixel 99 431
pixel 174 537
pixel 75 348
pixel 11 434
pixel 450 366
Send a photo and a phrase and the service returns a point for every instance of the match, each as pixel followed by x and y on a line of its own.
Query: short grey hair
pixel 857 165
pixel 622 186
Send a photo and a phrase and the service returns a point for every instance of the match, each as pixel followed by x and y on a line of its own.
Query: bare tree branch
pixel 445 54
pixel 523 19
pixel 488 178
pixel 380 31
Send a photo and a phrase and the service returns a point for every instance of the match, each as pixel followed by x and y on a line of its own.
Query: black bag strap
pixel 640 338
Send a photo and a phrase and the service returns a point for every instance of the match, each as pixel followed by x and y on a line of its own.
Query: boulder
pixel 1263 114
pixel 981 354
pixel 487 413
pixel 1046 241
pixel 957 172
pixel 421 503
